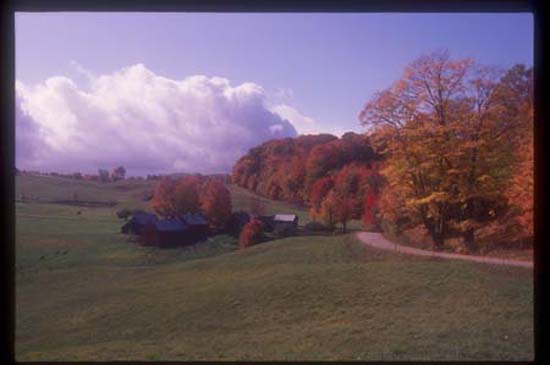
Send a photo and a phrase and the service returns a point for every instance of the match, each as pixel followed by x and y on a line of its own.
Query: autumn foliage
pixel 307 168
pixel 286 169
pixel 370 205
pixel 319 191
pixel 215 202
pixel 186 194
pixel 449 146
pixel 192 194
pixel 520 193
pixel 448 132
pixel 517 92
pixel 176 196
pixel 163 201
pixel 251 234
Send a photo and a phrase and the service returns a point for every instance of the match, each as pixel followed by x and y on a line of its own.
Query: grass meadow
pixel 86 292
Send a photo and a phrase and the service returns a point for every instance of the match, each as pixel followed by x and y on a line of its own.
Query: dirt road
pixel 378 241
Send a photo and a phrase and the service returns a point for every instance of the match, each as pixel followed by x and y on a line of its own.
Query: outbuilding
pixel 267 221
pixel 285 224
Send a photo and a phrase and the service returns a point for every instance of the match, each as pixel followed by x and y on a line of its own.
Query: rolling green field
pixel 86 292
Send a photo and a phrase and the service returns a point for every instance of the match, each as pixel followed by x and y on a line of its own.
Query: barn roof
pixel 144 218
pixel 173 224
pixel 285 217
pixel 194 219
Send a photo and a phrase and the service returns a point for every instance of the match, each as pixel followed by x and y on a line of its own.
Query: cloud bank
pixel 144 121
pixel 303 123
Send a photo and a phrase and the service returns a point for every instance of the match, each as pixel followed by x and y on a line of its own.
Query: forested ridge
pixel 334 176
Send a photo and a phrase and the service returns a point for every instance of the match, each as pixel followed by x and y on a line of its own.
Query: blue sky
pixel 325 66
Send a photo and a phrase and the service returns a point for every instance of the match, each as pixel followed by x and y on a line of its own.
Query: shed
pixel 285 224
pixel 267 221
pixel 286 219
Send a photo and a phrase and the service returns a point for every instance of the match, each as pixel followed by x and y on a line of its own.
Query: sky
pixel 192 92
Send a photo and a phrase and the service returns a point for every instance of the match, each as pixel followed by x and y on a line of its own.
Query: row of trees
pixel 349 193
pixel 193 194
pixel 336 177
pixel 457 141
pixel 118 173
pixel 277 168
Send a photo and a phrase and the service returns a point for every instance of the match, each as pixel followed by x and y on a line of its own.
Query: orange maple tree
pixel 176 196
pixel 319 191
pixel 516 93
pixel 215 202
pixel 163 199
pixel 251 234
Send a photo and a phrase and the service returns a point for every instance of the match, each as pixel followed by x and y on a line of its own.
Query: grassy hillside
pixel 44 189
pixel 83 292
pixel 242 199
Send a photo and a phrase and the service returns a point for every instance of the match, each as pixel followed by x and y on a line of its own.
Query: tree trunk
pixel 468 238
pixel 438 241
pixel 439 234
pixel 437 237
pixel 436 228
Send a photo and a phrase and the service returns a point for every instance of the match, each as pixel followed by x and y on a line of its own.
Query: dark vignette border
pixel 539 8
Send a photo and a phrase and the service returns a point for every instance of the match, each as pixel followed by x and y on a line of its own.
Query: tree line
pixel 103 175
pixel 336 177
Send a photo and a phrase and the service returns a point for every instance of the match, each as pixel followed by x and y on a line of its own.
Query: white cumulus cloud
pixel 302 123
pixel 146 122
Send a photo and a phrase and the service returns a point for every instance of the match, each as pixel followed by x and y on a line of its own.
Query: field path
pixel 378 241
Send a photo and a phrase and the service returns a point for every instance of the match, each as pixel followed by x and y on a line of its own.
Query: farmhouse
pixel 138 223
pixel 183 230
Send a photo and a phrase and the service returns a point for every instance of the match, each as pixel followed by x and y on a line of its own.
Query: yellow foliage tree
pixel 445 133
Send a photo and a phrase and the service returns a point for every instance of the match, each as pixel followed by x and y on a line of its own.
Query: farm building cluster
pixel 187 229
